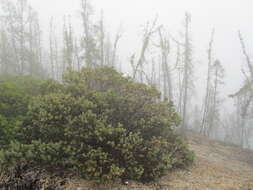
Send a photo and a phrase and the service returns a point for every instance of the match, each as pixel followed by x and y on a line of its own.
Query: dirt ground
pixel 217 167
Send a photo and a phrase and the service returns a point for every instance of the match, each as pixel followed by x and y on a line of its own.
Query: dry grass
pixel 217 167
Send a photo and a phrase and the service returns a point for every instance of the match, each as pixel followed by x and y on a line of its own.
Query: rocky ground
pixel 217 167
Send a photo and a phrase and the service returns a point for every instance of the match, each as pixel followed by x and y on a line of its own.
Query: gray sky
pixel 226 16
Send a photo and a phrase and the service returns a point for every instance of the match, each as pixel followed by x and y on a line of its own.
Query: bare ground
pixel 217 167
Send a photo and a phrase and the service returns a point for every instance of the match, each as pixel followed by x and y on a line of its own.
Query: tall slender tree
pixel 244 97
pixel 165 50
pixel 68 45
pixel 188 67
pixel 207 100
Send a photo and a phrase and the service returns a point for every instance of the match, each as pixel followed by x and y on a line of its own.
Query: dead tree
pixel 207 99
pixel 89 43
pixel 23 35
pixel 115 47
pixel 7 64
pixel 244 96
pixel 179 69
pixel 187 69
pixel 249 64
pixel 101 39
pixel 165 50
pixel 53 52
pixel 77 57
pixel 51 49
pixel 138 67
pixel 68 45
pixel 213 113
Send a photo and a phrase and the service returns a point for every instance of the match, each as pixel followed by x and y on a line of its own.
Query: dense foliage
pixel 99 125
pixel 15 95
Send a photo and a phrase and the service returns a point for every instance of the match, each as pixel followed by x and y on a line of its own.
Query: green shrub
pixel 4 131
pixel 101 126
pixel 15 95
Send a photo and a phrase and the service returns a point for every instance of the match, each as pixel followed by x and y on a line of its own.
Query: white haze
pixel 226 16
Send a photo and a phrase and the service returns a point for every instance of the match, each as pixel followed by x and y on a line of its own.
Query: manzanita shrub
pixel 99 125
pixel 15 95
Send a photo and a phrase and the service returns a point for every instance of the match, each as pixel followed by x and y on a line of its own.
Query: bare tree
pixel 243 101
pixel 249 64
pixel 244 98
pixel 179 69
pixel 51 48
pixel 207 99
pixel 89 44
pixel 165 50
pixel 7 64
pixel 187 69
pixel 68 47
pixel 23 35
pixel 213 116
pixel 101 39
pixel 115 47
pixel 138 67
pixel 53 51
pixel 77 57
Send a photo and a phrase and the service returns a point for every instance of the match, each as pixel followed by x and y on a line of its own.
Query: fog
pixel 129 18
pixel 227 17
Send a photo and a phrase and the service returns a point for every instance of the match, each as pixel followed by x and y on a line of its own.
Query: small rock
pixel 125 182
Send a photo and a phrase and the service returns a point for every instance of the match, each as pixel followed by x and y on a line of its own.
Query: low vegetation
pixel 95 124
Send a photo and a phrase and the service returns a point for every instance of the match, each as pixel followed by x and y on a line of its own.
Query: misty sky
pixel 226 16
